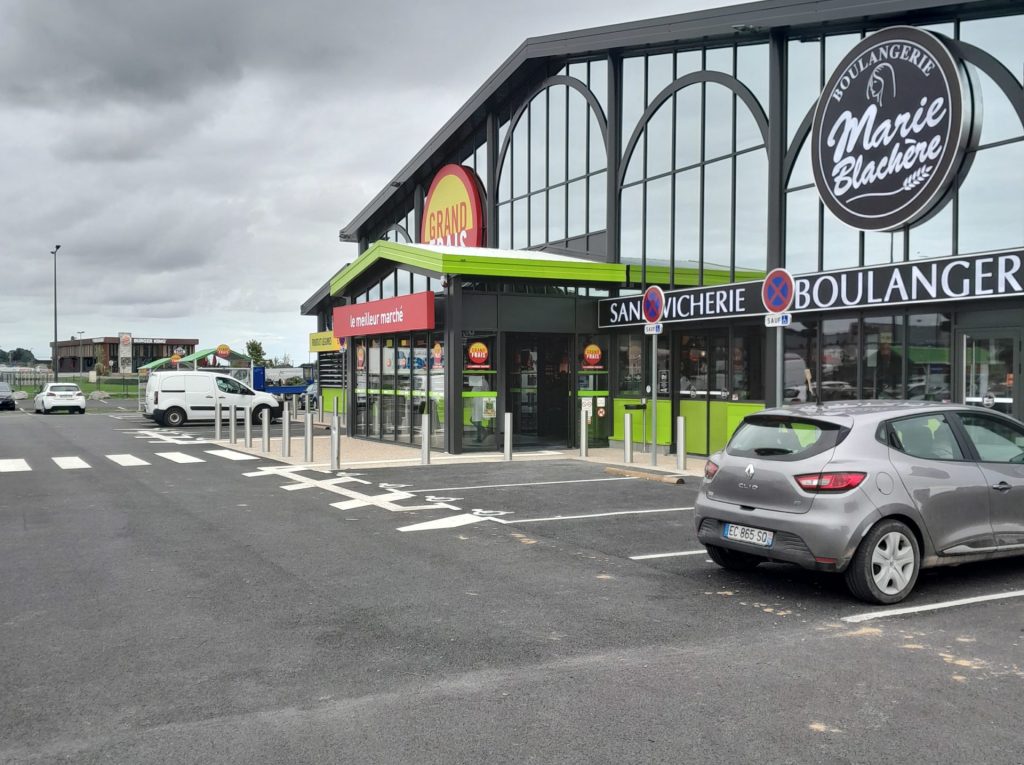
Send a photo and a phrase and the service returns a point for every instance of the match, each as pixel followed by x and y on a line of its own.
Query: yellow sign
pixel 223 350
pixel 322 342
pixel 175 358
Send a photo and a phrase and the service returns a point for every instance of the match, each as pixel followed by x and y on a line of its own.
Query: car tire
pixel 885 567
pixel 257 414
pixel 174 417
pixel 733 560
pixel 81 410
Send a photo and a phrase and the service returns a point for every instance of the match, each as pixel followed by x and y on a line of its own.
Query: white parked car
pixel 58 395
pixel 173 398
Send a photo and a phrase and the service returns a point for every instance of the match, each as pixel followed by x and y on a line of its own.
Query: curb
pixel 648 475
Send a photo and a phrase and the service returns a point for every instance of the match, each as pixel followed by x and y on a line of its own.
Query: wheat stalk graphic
pixel 917 177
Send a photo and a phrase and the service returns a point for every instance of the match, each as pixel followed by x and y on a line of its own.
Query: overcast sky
pixel 196 158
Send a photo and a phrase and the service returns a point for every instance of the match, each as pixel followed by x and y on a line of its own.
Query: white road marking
pixel 13 466
pixel 509 485
pixel 126 460
pixel 230 455
pixel 933 607
pixel 179 457
pixel 668 555
pixel 451 522
pixel 71 463
pixel 592 515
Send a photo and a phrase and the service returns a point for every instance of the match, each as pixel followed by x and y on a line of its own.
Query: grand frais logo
pixel 891 130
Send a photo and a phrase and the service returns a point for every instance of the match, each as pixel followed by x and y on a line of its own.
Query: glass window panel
pixel 746 365
pixel 598 155
pixel 629 364
pixel 839 355
pixel 635 168
pixel 387 286
pixel 717 218
pixel 717 120
pixel 752 71
pixel 751 214
pixel 505 178
pixel 599 82
pixel 802 231
pixel 929 370
pixel 556 133
pixel 933 238
pixel 387 393
pixel 374 291
pixel 577 208
pixel 659 142
pixel 719 60
pixel 748 134
pixel 800 340
pixel 804 81
pixel 538 142
pixel 579 111
pixel 882 247
pixel 632 94
pixel 802 173
pixel 990 209
pixel 688 126
pixel 505 226
pixel 538 233
pixel 687 234
pixel 840 245
pixel 837 46
pixel 521 156
pixel 659 74
pixel 556 213
pixel 1000 37
pixel 693 365
pixel 882 364
pixel 520 221
pixel 419 283
pixel 480 162
pixel 598 205
pixel 578 70
pixel 688 61
pixel 658 221
pixel 632 218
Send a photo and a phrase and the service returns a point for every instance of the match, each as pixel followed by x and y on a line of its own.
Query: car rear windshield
pixel 5 388
pixel 65 388
pixel 772 437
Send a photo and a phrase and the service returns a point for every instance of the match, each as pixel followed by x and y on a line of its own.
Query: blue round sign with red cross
pixel 653 304
pixel 777 291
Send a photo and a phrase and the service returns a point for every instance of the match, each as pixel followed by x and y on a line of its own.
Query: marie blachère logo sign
pixel 891 130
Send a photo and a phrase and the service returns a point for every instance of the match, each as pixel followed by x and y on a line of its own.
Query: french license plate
pixel 758 537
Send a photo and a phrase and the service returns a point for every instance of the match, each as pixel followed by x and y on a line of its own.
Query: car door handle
pixel 1001 486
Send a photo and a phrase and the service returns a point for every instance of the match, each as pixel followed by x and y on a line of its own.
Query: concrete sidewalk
pixel 366 453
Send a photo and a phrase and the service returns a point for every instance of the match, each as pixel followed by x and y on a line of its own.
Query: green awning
pixel 156 364
pixel 192 358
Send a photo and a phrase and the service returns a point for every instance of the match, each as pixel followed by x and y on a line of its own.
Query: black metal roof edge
pixel 314 300
pixel 718 22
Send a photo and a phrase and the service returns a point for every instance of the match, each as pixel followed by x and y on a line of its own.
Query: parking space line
pixel 668 555
pixel 590 515
pixel 509 485
pixel 933 607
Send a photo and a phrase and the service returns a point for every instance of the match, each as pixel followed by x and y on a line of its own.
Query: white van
pixel 173 398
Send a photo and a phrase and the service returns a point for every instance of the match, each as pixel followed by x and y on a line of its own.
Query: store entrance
pixel 538 388
pixel 991 360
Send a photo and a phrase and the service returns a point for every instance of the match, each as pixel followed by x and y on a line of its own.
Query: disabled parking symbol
pixel 777 291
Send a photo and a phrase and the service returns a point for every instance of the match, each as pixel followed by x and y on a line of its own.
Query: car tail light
pixel 830 482
pixel 710 468
pixel 51 393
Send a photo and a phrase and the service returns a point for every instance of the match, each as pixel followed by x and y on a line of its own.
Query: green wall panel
pixel 696 416
pixel 664 421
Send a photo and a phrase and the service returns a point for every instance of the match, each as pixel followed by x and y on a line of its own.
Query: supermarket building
pixel 821 189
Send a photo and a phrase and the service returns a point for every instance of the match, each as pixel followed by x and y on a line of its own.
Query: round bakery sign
pixel 891 129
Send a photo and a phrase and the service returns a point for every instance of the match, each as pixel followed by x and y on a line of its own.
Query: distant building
pixel 86 354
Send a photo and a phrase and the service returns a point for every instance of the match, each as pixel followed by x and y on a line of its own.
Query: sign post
pixel 653 307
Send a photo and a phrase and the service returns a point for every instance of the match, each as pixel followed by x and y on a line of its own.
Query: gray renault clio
pixel 870 489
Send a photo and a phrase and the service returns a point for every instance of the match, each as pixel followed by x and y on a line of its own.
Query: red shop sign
pixel 381 317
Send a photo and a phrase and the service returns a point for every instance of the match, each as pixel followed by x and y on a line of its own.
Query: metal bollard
pixel 425 440
pixel 335 442
pixel 584 445
pixel 286 430
pixel 627 441
pixel 309 436
pixel 248 426
pixel 320 406
pixel 216 419
pixel 508 436
pixel 265 425
pixel 295 403
pixel 680 443
pixel 232 432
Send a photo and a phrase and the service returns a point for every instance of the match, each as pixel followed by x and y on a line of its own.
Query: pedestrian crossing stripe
pixel 13 466
pixel 230 455
pixel 70 463
pixel 179 457
pixel 126 460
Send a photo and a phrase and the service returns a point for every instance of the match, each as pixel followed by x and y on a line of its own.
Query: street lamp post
pixel 81 369
pixel 56 373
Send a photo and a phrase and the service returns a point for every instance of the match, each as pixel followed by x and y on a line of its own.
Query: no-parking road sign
pixel 777 291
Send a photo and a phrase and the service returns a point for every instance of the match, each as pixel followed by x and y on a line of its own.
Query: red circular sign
pixel 777 291
pixel 223 350
pixel 477 353
pixel 653 304
pixel 592 355
pixel 453 214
